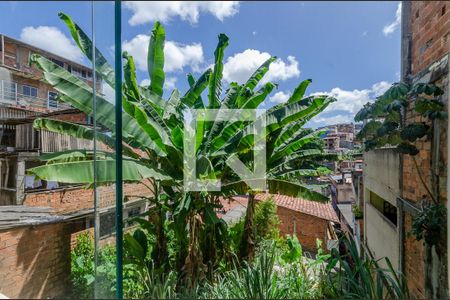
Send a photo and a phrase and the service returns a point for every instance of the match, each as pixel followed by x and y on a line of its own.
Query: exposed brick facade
pixel 308 228
pixel 75 199
pixel 308 219
pixel 35 261
pixel 430 29
pixel 414 262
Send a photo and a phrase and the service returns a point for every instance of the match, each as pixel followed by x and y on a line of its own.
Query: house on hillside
pixel 309 220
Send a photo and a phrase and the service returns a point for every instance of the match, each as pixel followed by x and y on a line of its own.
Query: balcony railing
pixel 10 94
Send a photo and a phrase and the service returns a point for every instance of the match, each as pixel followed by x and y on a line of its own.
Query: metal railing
pixel 10 94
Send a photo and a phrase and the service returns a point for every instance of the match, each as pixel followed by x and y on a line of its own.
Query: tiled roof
pixel 317 209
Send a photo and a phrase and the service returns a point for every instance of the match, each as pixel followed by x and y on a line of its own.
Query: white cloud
pixel 108 92
pixel 391 28
pixel 150 11
pixel 254 32
pixel 240 67
pixel 380 87
pixel 332 119
pixel 169 83
pixel 279 97
pixel 348 103
pixel 177 56
pixel 145 82
pixel 52 40
pixel 364 33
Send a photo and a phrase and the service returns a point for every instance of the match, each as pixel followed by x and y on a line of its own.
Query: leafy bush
pixel 357 211
pixel 87 284
pixel 266 220
pixel 82 266
pixel 428 223
pixel 359 275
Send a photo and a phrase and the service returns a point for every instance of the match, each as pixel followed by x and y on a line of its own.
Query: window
pixel 29 91
pixel 133 212
pixel 58 62
pixel 83 74
pixel 69 68
pixel 388 210
pixel 9 90
pixel 76 71
pixel 52 100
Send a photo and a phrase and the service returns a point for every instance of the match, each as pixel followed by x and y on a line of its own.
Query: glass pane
pixel 103 119
pixel 50 194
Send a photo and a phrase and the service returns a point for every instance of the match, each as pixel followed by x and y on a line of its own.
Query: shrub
pixel 266 221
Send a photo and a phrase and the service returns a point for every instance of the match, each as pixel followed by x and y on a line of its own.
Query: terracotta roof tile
pixel 317 209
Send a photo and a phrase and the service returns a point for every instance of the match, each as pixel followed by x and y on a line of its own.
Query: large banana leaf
pixel 79 131
pixel 85 44
pixel 77 93
pixel 131 86
pixel 253 81
pixel 276 186
pixel 215 81
pixel 299 91
pixel 155 59
pixel 276 118
pixel 190 98
pixel 83 171
pixel 294 145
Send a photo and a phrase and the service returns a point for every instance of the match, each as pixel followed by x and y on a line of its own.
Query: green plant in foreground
pixel 355 275
pixel 428 223
pixel 154 124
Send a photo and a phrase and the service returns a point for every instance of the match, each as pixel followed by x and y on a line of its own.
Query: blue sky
pixel 350 50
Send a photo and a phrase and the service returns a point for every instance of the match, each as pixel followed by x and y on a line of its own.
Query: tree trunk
pixel 162 253
pixel 247 247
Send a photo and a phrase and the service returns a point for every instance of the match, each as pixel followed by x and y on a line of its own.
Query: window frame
pixel 31 88
pixel 48 100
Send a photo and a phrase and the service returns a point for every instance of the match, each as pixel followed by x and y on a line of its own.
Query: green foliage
pixel 359 275
pixel 82 266
pixel 357 211
pixel 383 120
pixel 414 131
pixel 294 250
pixel 266 220
pixel 429 224
pixel 236 231
pixel 84 278
pixel 407 148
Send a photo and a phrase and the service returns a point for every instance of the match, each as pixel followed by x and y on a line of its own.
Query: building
pixel 392 187
pixel 309 220
pixel 39 220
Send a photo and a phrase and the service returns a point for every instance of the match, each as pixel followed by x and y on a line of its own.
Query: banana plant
pixel 153 135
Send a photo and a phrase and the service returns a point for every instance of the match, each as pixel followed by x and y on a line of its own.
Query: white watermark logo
pixel 256 127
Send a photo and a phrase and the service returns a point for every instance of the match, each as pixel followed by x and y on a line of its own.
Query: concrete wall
pixel 382 173
pixel 381 236
pixel 381 176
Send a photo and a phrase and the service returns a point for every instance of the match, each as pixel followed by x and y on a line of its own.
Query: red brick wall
pixel 430 26
pixel 75 118
pixel 430 29
pixel 307 227
pixel 35 261
pixel 74 199
pixel 414 262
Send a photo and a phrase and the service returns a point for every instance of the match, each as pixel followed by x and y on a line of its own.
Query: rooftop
pixel 321 210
